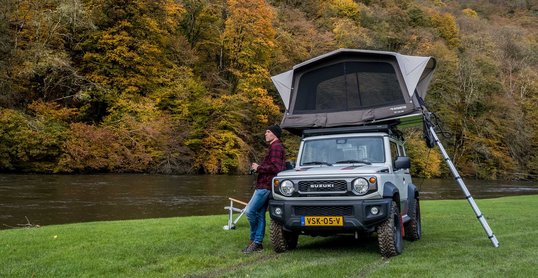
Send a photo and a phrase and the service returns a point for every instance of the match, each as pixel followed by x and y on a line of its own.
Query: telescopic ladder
pixel 459 180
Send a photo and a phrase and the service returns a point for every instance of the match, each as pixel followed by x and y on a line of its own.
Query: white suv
pixel 347 180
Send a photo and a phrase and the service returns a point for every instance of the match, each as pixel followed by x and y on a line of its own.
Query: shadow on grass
pixel 340 243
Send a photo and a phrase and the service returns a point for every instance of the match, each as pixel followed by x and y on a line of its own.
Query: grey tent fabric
pixel 283 85
pixel 353 87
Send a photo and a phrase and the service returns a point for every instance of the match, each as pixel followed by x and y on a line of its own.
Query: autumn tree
pixel 145 84
pixel 7 36
pixel 426 162
pixel 33 141
pixel 127 54
pixel 447 27
pixel 239 111
pixel 35 51
pixel 297 39
pixel 183 86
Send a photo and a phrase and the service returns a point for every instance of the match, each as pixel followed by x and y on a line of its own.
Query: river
pixel 27 200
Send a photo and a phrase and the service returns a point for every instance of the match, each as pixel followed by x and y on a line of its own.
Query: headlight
pixel 286 188
pixel 360 186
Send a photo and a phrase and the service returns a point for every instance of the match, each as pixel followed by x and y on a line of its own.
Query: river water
pixel 58 199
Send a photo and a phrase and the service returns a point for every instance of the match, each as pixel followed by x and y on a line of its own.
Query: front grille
pixel 323 186
pixel 323 210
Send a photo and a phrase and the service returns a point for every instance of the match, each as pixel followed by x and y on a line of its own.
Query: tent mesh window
pixel 348 86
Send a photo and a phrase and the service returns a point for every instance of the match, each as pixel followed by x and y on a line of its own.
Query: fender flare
pixel 390 191
pixel 412 194
pixel 412 191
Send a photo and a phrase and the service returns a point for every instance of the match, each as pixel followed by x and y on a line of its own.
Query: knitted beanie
pixel 276 130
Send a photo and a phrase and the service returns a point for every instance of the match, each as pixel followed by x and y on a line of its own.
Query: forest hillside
pixel 183 86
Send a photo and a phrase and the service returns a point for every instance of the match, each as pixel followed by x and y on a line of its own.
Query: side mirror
pixel 290 164
pixel 402 162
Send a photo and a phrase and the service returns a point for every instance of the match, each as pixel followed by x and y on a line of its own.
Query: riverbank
pixel 64 199
pixel 453 245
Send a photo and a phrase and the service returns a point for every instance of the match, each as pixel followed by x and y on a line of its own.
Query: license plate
pixel 322 221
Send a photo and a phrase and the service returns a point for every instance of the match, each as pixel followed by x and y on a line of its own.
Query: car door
pixel 401 176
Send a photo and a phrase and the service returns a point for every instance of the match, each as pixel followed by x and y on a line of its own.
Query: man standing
pixel 273 163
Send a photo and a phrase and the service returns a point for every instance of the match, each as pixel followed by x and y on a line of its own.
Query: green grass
pixel 453 245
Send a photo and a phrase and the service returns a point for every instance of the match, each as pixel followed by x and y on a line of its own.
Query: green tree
pixel 245 107
pixel 127 54
pixel 33 142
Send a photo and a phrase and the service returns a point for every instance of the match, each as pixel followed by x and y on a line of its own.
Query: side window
pixel 394 152
pixel 402 150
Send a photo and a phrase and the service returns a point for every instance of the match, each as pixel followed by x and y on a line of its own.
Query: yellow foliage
pixel 127 51
pixel 32 143
pixel 343 9
pixel 224 153
pixel 348 34
pixel 470 13
pixel 448 28
pixel 174 11
pixel 426 162
pixel 249 35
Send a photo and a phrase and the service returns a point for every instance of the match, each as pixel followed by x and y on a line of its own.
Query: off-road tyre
pixel 413 228
pixel 282 240
pixel 389 233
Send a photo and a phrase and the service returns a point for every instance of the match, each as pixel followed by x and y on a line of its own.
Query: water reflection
pixel 438 189
pixel 57 199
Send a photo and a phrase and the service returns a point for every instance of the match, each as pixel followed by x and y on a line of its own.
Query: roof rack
pixel 388 127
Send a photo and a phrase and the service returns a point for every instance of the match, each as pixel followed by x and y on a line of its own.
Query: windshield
pixel 365 150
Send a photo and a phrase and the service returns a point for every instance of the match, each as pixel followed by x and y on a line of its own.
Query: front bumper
pixel 356 214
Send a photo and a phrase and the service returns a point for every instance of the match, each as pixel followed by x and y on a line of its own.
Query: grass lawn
pixel 453 245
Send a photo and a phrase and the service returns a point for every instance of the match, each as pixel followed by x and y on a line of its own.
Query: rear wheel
pixel 413 228
pixel 282 240
pixel 389 233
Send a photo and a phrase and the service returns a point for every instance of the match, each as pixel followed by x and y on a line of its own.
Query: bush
pixel 33 142
pixel 425 162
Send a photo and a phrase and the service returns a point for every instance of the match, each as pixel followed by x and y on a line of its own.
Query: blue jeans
pixel 256 214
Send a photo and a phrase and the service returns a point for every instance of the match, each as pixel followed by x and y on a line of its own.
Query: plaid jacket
pixel 273 163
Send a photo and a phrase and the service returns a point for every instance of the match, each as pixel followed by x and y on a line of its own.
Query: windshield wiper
pixel 354 161
pixel 317 163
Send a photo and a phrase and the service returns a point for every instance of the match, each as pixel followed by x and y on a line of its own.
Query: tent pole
pixel 468 196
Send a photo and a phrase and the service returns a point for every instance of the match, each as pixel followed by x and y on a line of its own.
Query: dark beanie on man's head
pixel 276 130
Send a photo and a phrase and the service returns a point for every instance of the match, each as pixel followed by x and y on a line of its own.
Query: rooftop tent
pixel 353 87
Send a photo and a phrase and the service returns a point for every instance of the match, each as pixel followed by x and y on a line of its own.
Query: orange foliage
pixel 91 148
pixel 53 111
pixel 183 86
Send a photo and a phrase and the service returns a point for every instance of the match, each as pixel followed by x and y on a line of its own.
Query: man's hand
pixel 254 166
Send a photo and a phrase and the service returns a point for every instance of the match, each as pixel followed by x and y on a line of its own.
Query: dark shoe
pixel 245 249
pixel 254 247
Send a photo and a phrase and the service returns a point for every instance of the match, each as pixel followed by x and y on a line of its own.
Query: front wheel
pixel 282 240
pixel 389 233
